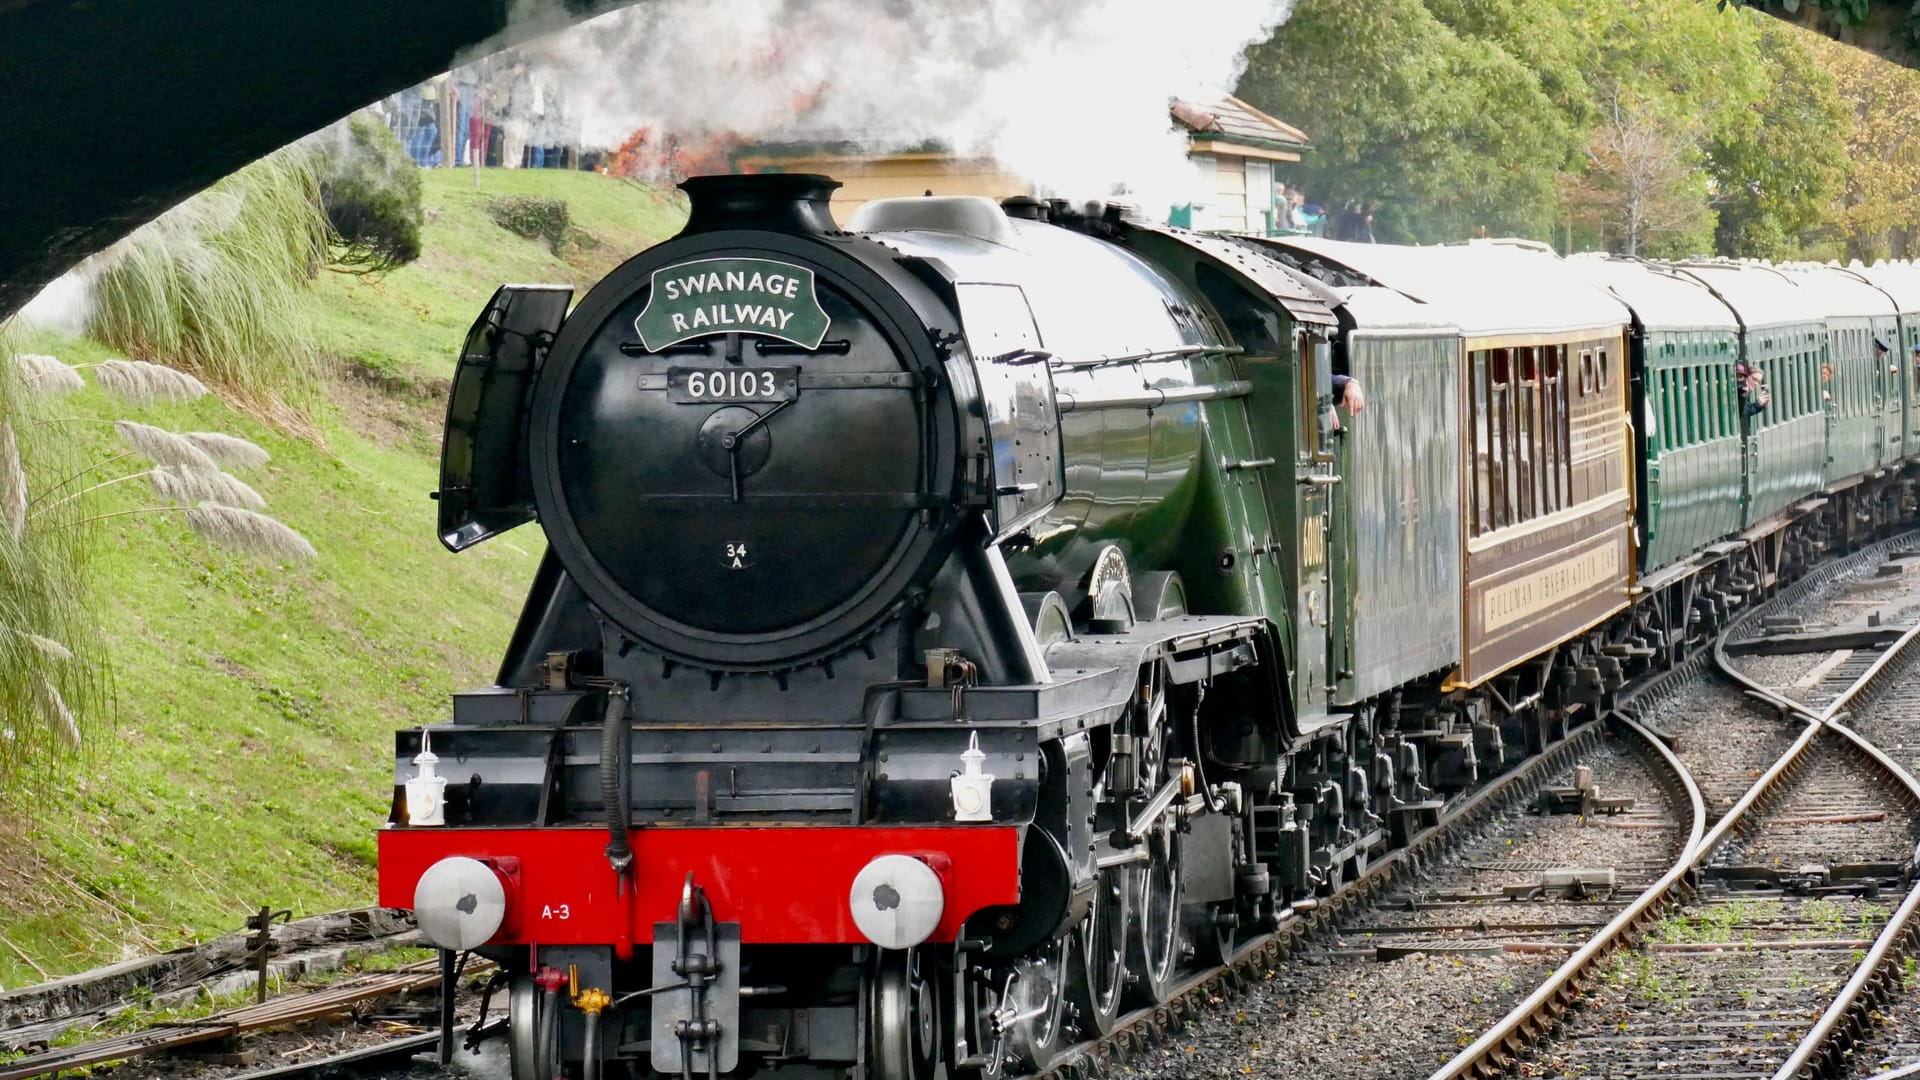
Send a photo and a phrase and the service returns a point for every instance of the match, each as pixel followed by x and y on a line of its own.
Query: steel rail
pixel 1499 1046
pixel 1497 1049
pixel 1137 1029
pixel 1817 1050
pixel 286 1010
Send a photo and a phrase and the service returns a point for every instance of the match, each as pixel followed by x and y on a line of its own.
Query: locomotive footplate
pixel 696 990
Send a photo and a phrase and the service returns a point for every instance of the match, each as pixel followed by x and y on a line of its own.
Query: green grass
pixel 409 324
pixel 251 761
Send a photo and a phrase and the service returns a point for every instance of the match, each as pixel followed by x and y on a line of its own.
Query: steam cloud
pixel 1071 95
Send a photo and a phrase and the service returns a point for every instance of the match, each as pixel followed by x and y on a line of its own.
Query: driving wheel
pixel 1099 962
pixel 903 1017
pixel 1154 935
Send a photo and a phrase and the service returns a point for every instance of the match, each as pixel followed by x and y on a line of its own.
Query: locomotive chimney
pixel 1025 207
pixel 777 202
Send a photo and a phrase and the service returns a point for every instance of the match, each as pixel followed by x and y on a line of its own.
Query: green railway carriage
pixel 1689 449
pixel 1397 510
pixel 1901 282
pixel 1545 486
pixel 1863 414
pixel 1783 334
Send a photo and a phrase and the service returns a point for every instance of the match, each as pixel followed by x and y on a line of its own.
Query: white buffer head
pixel 459 903
pixel 896 901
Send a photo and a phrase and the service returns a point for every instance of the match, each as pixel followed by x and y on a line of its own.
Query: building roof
pixel 1230 120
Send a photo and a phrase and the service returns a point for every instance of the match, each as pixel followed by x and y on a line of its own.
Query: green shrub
pixel 370 190
pixel 535 217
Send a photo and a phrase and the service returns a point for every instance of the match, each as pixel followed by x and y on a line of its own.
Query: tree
pixel 1448 132
pixel 1880 204
pixel 1777 178
pixel 1889 29
pixel 1643 187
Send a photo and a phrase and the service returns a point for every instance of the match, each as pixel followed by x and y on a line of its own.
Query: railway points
pixel 1766 956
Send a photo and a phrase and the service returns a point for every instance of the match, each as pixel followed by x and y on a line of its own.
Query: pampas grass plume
pixel 46 376
pixel 59 718
pixel 185 484
pixel 244 530
pixel 48 647
pixel 138 382
pixel 228 449
pixel 164 447
pixel 13 483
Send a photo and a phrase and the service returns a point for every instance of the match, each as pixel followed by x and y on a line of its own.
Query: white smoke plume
pixel 1073 96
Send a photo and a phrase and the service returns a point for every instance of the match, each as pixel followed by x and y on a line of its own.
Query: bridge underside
pixel 115 110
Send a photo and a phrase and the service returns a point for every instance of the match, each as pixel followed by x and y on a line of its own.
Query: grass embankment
pixel 409 323
pixel 251 761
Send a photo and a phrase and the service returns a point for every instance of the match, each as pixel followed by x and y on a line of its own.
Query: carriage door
pixel 1881 386
pixel 1314 475
pixel 1909 364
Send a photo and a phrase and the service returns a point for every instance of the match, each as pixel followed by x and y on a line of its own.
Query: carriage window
pixel 1606 369
pixel 1669 410
pixel 1526 433
pixel 1499 440
pixel 1588 379
pixel 1688 410
pixel 1718 403
pixel 1487 438
pixel 1482 449
pixel 1702 403
pixel 1548 358
pixel 1732 399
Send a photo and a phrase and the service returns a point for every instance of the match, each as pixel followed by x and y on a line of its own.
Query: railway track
pixel 1765 950
pixel 292 1008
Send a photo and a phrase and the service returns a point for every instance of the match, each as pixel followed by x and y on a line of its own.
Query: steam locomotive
pixel 955 627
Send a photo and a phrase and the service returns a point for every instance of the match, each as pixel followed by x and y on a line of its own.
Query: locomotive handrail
pixel 1153 399
pixel 1176 353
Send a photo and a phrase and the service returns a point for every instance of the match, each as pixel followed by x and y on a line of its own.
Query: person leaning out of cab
pixel 1346 395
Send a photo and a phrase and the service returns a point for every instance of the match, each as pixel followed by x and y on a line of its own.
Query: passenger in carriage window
pixel 1754 395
